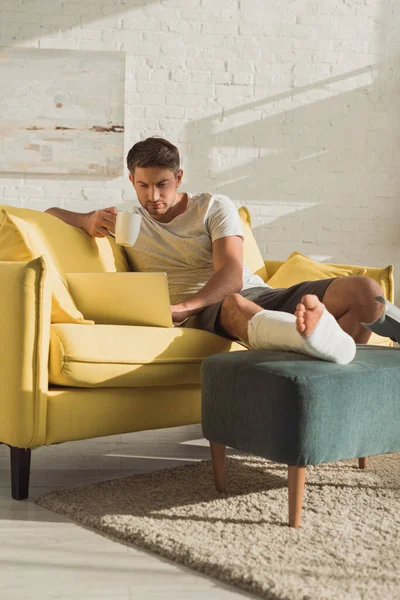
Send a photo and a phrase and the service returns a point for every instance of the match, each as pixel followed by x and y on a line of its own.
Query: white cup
pixel 127 228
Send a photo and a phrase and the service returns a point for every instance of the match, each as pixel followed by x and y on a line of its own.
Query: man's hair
pixel 153 152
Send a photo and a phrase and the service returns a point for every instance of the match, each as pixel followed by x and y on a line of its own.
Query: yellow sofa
pixel 62 381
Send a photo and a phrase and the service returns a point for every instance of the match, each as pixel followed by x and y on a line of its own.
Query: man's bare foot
pixel 308 313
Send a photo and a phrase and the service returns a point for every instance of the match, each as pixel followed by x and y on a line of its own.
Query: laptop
pixel 122 298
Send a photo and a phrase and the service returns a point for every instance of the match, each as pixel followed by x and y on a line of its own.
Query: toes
pixel 300 327
pixel 310 301
pixel 307 300
pixel 300 312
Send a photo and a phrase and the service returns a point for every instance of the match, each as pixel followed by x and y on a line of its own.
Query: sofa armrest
pixel 25 309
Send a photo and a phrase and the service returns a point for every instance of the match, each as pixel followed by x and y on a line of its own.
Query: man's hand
pixel 180 312
pixel 99 223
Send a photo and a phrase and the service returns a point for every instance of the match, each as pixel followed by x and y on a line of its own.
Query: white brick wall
pixel 288 107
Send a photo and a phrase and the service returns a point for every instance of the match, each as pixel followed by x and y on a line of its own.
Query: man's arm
pixel 97 223
pixel 227 279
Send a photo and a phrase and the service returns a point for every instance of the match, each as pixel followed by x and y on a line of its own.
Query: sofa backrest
pixel 70 248
pixel 251 253
pixel 73 251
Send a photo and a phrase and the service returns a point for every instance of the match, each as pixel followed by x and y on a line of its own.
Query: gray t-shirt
pixel 183 247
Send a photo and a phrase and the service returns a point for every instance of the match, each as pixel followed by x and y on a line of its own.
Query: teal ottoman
pixel 294 409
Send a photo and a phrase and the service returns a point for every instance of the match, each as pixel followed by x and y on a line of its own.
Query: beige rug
pixel 348 547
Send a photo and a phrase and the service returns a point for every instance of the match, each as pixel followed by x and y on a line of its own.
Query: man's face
pixel 156 189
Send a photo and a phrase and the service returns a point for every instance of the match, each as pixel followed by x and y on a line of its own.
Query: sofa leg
pixel 20 471
pixel 296 479
pixel 218 455
pixel 363 462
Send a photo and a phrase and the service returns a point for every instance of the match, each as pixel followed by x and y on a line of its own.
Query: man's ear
pixel 131 179
pixel 179 177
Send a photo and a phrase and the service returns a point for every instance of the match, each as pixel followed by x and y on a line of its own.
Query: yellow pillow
pixel 298 268
pixel 251 251
pixel 20 243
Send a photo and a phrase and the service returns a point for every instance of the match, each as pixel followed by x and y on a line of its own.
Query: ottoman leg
pixel 218 453
pixel 363 462
pixel 296 479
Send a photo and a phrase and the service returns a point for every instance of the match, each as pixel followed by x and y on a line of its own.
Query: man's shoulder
pixel 208 198
pixel 199 197
pixel 207 195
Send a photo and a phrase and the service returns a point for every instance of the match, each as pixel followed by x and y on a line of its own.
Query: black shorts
pixel 282 299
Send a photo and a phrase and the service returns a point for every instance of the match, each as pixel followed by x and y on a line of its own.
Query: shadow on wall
pixel 40 18
pixel 323 177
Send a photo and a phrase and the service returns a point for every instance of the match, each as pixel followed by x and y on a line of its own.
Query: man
pixel 197 240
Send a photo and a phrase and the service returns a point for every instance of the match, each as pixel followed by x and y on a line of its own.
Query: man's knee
pixel 370 285
pixel 354 293
pixel 366 288
pixel 365 291
pixel 232 303
pixel 232 317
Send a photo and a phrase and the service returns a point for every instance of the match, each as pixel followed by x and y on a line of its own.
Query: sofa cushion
pixel 126 356
pixel 251 252
pixel 20 243
pixel 70 248
pixel 299 267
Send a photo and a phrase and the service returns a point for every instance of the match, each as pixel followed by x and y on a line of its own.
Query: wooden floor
pixel 45 556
